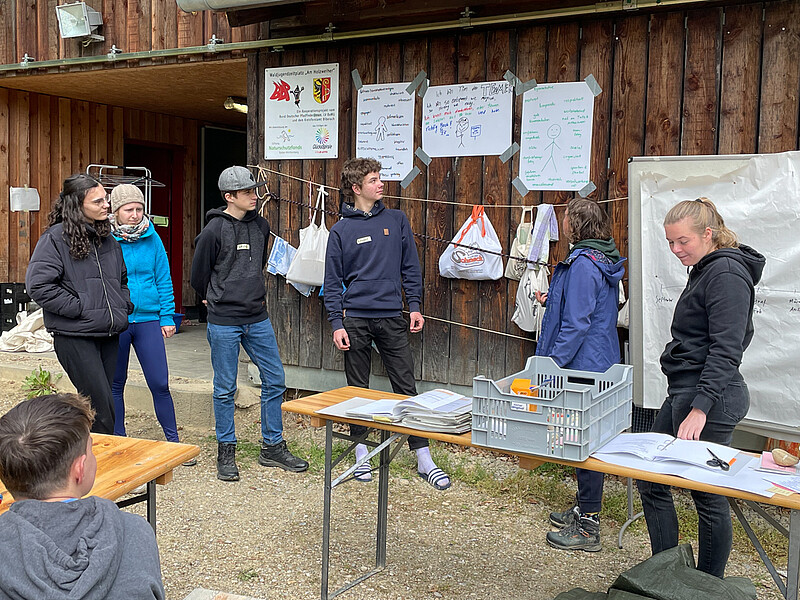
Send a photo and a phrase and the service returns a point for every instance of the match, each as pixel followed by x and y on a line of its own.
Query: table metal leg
pixel 631 516
pixel 763 554
pixel 383 504
pixel 326 510
pixel 793 564
pixel 151 504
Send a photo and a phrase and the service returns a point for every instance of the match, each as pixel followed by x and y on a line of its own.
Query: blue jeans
pixel 148 343
pixel 258 340
pixel 714 529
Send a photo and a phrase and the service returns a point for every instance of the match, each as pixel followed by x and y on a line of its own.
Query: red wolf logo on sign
pixel 322 89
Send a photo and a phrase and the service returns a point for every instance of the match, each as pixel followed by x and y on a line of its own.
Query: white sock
pixel 425 462
pixel 361 452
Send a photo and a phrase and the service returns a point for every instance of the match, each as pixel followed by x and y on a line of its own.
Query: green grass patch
pixel 247 575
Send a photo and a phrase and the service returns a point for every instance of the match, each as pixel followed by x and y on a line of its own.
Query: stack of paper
pixel 437 410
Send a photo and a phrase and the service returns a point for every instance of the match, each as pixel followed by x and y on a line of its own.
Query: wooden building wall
pixel 44 139
pixel 31 27
pixel 706 81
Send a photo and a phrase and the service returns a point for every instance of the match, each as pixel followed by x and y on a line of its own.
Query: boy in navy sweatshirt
pixel 371 253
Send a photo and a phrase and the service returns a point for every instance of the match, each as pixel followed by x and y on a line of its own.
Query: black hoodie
pixel 228 267
pixel 713 324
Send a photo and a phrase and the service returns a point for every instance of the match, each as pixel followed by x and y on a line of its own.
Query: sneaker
pixel 566 518
pixel 583 534
pixel 226 462
pixel 278 455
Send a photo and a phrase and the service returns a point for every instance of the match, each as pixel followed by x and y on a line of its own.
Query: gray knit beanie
pixel 123 194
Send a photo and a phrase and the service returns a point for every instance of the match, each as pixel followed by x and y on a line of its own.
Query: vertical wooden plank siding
pixel 415 59
pixel 19 176
pixel 741 68
pixel 8 51
pixel 701 82
pixel 530 64
pixel 468 176
pixel 664 85
pixel 628 116
pixel 41 167
pixel 438 224
pixel 190 29
pixel 778 127
pixel 5 150
pixel 26 32
pixel 596 52
pixel 496 190
pixel 311 309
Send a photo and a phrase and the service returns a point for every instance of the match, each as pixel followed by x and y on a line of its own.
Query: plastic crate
pixel 575 413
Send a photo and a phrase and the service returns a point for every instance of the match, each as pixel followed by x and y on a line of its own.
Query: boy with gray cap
pixel 228 275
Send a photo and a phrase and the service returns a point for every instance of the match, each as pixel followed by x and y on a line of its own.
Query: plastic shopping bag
pixel 470 259
pixel 308 266
pixel 528 313
pixel 521 245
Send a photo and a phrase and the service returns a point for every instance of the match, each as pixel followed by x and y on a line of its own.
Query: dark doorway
pixel 166 165
pixel 220 148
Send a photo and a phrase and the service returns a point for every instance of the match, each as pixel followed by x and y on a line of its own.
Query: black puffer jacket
pixel 87 298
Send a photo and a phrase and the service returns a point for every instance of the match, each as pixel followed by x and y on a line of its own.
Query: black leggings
pixel 90 363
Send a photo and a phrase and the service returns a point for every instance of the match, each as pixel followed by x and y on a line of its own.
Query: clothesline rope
pixel 263 170
pixel 503 333
pixel 421 236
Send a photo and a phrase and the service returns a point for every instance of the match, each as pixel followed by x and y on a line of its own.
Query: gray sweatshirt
pixel 82 549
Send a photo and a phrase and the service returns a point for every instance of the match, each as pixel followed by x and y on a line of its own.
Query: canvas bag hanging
pixel 469 260
pixel 528 313
pixel 521 245
pixel 308 266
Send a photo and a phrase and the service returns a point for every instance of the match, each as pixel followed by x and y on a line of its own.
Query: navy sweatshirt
pixel 228 267
pixel 713 324
pixel 374 255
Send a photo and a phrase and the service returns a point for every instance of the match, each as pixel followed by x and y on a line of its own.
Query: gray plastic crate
pixel 575 413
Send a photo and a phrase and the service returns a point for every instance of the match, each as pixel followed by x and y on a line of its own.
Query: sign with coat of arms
pixel 301 112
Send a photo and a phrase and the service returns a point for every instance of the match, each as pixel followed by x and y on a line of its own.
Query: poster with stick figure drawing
pixel 467 119
pixel 556 137
pixel 385 128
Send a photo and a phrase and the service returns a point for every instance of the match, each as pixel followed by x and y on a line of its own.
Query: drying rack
pixel 111 180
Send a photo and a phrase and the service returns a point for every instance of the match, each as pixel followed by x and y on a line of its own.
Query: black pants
pixel 90 363
pixel 714 528
pixel 391 338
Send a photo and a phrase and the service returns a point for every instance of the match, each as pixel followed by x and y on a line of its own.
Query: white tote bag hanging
pixel 528 313
pixel 521 245
pixel 308 266
pixel 470 259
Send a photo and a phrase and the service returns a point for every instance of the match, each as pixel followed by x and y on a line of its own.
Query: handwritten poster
pixel 385 128
pixel 301 112
pixel 467 119
pixel 556 138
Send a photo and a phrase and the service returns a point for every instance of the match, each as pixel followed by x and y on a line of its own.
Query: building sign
pixel 301 112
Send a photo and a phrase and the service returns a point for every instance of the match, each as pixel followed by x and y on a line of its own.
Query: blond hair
pixel 702 214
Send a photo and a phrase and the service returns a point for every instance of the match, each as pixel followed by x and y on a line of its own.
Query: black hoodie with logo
pixel 228 267
pixel 713 324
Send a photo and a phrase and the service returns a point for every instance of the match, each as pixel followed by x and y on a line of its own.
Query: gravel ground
pixel 261 536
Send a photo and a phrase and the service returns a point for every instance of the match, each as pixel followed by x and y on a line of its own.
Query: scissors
pixel 716 461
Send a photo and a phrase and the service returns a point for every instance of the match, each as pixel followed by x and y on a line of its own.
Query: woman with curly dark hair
pixel 78 277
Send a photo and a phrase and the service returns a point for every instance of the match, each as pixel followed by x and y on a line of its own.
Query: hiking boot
pixel 566 518
pixel 583 534
pixel 226 462
pixel 278 455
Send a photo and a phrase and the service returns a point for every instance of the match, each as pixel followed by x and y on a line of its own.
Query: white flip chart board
pixel 556 138
pixel 759 198
pixel 385 128
pixel 467 119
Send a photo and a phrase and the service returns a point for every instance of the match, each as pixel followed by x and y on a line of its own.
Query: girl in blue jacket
pixel 579 331
pixel 152 319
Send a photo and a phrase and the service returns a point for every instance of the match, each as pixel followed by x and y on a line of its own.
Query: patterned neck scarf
pixel 129 233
